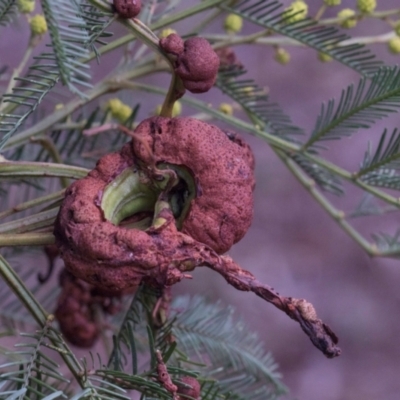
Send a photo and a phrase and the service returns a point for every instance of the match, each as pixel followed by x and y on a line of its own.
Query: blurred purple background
pixel 293 245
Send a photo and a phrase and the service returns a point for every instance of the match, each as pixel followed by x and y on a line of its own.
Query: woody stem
pixel 175 92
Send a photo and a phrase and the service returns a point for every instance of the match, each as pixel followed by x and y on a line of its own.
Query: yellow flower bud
pixel 394 45
pixel 38 25
pixel 345 15
pixel 299 8
pixel 282 56
pixel 124 112
pixel 332 3
pixel 233 23
pixel 176 109
pixel 26 6
pixel 113 105
pixel 166 32
pixel 226 108
pixel 248 90
pixel 58 106
pixel 366 6
pixel 323 57
pixel 119 110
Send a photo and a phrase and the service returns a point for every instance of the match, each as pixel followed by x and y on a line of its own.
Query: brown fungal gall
pixel 306 309
pixel 76 319
pixel 173 44
pixel 228 58
pixel 166 203
pixel 222 166
pixel 196 63
pixel 202 174
pixel 75 310
pixel 127 8
pixel 190 388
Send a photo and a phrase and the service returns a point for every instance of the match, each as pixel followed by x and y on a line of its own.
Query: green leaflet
pixel 255 102
pixel 34 374
pixel 74 31
pixel 67 42
pixel 381 168
pixel 8 9
pixel 268 13
pixel 209 333
pixel 358 107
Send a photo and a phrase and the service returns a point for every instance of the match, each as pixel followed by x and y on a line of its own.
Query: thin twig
pixel 299 310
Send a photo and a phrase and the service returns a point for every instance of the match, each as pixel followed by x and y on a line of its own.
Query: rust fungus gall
pixel 75 317
pixel 220 164
pixel 75 310
pixel 228 58
pixel 196 63
pixel 127 8
pixel 188 388
pixel 174 198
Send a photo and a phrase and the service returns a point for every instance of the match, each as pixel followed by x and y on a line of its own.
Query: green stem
pixel 24 294
pixel 206 21
pixel 146 35
pixel 48 145
pixel 33 203
pixel 138 29
pixel 377 14
pixel 24 169
pixel 162 23
pixel 224 40
pixel 100 89
pixel 338 215
pixel 41 317
pixel 17 72
pixel 26 239
pixel 320 12
pixel 230 40
pixel 30 223
pixel 174 93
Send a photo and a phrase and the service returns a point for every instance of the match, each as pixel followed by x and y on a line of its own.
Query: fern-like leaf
pixel 41 78
pixel 385 178
pixel 8 9
pixel 268 14
pixel 358 107
pixel 229 386
pixel 382 167
pixel 68 42
pixel 13 313
pixel 34 374
pixel 95 23
pixel 255 102
pixel 387 155
pixel 100 388
pixel 90 148
pixel 210 334
pixel 125 341
pixel 73 30
pixel 388 243
pixel 369 206
pixel 69 143
pixel 322 177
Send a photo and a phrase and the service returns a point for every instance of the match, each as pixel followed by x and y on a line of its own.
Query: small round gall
pixel 127 8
